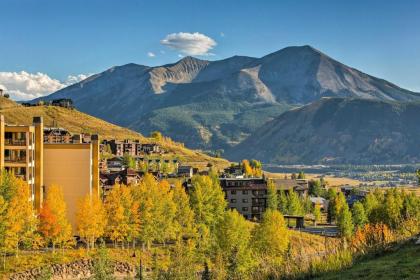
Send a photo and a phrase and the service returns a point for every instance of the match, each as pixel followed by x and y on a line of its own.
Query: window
pixel 244 192
pixel 245 200
pixel 244 208
pixel 233 200
pixel 233 192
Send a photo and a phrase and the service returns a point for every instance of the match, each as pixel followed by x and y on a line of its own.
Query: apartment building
pixel 73 166
pixel 131 147
pixel 249 195
pixel 17 152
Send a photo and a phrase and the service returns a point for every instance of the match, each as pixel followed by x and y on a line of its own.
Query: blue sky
pixel 59 38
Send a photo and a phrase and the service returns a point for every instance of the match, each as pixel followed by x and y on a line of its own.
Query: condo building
pixel 72 165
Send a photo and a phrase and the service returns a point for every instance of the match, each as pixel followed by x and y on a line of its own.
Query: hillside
pixel 338 130
pixel 77 122
pixel 217 104
pixel 402 263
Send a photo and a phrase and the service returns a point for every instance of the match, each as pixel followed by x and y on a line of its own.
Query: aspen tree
pixel 91 219
pixel 54 225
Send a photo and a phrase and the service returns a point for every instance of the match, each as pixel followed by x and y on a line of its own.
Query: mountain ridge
pixel 213 105
pixel 338 131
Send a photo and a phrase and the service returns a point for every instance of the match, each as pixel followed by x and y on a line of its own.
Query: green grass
pixel 403 263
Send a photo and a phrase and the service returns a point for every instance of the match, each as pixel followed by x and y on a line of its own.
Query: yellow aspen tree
pixel 184 217
pixel 54 225
pixel 131 210
pixel 247 168
pixel 90 219
pixel 157 210
pixel 21 221
pixel 117 225
pixel 271 239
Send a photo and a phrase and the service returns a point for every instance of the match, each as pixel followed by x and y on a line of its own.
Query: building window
pixel 233 200
pixel 233 192
pixel 245 200
pixel 244 208
pixel 244 192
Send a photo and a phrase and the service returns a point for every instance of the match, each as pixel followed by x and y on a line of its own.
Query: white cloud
pixel 189 43
pixel 25 86
pixel 72 79
pixel 151 54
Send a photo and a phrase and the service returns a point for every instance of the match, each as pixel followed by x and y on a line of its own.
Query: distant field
pixel 403 263
pixel 332 181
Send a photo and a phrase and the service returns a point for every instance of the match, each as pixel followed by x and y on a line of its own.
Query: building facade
pixel 72 166
pixel 249 195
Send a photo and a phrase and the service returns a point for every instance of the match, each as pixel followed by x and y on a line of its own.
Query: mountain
pixel 218 104
pixel 338 130
pixel 78 122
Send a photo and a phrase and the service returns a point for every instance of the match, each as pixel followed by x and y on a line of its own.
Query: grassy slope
pixel 77 122
pixel 403 263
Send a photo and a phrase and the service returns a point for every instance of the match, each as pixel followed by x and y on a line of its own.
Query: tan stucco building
pixel 72 166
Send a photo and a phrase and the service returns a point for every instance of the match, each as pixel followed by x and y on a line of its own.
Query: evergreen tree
pixel 301 175
pixel 315 188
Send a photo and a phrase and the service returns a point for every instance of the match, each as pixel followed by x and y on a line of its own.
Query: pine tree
pixel 54 225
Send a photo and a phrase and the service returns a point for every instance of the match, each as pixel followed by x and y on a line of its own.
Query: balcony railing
pixel 15 142
pixel 18 160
